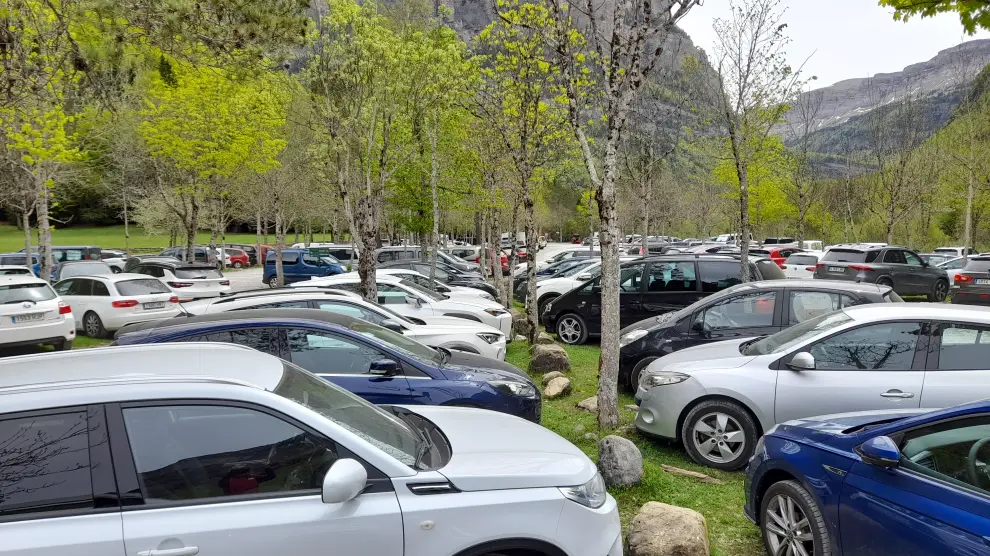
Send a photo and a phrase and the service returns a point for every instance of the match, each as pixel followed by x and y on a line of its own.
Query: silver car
pixel 718 399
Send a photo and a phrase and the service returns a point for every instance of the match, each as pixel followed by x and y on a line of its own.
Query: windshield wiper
pixel 12 301
pixel 743 346
pixel 444 355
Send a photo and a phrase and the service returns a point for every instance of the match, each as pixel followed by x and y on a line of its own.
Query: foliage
pixel 973 14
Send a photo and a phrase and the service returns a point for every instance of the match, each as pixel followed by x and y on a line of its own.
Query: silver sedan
pixel 718 399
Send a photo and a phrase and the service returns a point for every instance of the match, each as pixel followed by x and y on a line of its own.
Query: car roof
pixel 143 363
pixel 701 257
pixel 837 285
pixel 17 279
pixel 250 316
pixel 91 261
pixel 923 311
pixel 265 293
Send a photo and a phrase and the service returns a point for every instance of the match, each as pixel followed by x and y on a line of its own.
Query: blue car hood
pixel 467 366
pixel 836 423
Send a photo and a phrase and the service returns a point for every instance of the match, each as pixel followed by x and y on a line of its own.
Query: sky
pixel 844 39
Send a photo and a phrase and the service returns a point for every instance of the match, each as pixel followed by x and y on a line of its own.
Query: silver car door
pixel 876 366
pixel 958 365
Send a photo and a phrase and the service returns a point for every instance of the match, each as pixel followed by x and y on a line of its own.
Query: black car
pixel 446 274
pixel 742 311
pixel 251 250
pixel 133 261
pixel 413 253
pixel 649 287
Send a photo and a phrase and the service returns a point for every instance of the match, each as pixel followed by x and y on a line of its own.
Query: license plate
pixel 836 269
pixel 982 282
pixel 155 305
pixel 27 318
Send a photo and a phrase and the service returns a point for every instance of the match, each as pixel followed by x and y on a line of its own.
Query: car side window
pixel 806 305
pixel 81 287
pixel 871 256
pixel 277 305
pixel 631 278
pixel 391 295
pixel 313 260
pixel 100 289
pixel 195 452
pixel 151 270
pixel 290 258
pixel 894 256
pixel 64 287
pixel 672 277
pixel 349 310
pixel 718 275
pixel 261 339
pixel 911 258
pixel 884 347
pixel 964 347
pixel 323 353
pixel 953 265
pixel 944 451
pixel 751 310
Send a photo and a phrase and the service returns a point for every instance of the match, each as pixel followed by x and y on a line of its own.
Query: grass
pixel 109 237
pixel 729 532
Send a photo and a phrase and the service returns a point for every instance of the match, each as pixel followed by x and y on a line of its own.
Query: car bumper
pixel 584 531
pixel 660 407
pixel 47 332
pixel 970 295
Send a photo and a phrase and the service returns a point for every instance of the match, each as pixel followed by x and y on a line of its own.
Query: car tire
pixel 719 434
pixel 543 302
pixel 63 346
pixel 93 325
pixel 783 500
pixel 885 282
pixel 940 290
pixel 571 329
pixel 638 370
pixel 273 282
pixel 238 264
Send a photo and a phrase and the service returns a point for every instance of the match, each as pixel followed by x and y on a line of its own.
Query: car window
pixel 806 305
pixel 150 270
pixel 313 260
pixel 751 310
pixel 801 259
pixel 796 335
pixel 63 287
pixel 85 269
pixel 964 347
pixel 191 452
pixel 261 339
pixel 197 273
pixel 44 463
pixel 277 305
pixel 911 258
pixel 955 264
pixel 883 347
pixel 977 265
pixel 718 275
pixel 350 310
pixel 672 277
pixel 425 292
pixel 769 270
pixel 100 289
pixel 15 271
pixel 81 286
pixel 406 346
pixel 324 353
pixel 948 452
pixel 848 256
pixel 894 256
pixel 141 287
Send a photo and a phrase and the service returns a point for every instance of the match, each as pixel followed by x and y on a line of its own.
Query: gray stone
pixel 519 338
pixel 579 429
pixel 590 436
pixel 633 407
pixel 589 404
pixel 544 338
pixel 663 530
pixel 549 358
pixel 550 376
pixel 620 461
pixel 557 388
pixel 520 325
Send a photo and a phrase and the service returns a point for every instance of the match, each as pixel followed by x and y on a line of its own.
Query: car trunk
pixel 973 282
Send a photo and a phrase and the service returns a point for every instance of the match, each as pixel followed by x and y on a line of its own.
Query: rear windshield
pixel 850 256
pixel 978 265
pixel 17 259
pixel 85 269
pixel 197 273
pixel 14 271
pixel 17 293
pixel 801 259
pixel 946 250
pixel 769 270
pixel 141 287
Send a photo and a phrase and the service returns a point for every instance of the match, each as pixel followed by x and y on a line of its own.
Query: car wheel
pixel 93 326
pixel 638 370
pixel 939 291
pixel 273 282
pixel 238 264
pixel 792 523
pixel 572 330
pixel 885 282
pixel 543 303
pixel 719 434
pixel 63 346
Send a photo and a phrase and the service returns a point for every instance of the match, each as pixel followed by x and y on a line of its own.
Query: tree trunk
pixel 608 365
pixel 495 256
pixel 127 230
pixel 211 255
pixel 532 309
pixel 647 202
pixel 435 197
pixel 513 255
pixel 191 228
pixel 26 222
pixel 44 233
pixel 260 254
pixel 802 213
pixel 890 221
pixel 968 237
pixel 265 231
pixel 743 171
pixel 279 242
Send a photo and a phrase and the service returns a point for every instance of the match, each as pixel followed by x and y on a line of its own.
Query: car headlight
pixel 487 296
pixel 489 337
pixel 496 312
pixel 653 380
pixel 631 337
pixel 591 494
pixel 514 388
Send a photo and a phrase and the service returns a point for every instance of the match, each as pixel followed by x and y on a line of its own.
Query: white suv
pixel 31 313
pixel 214 449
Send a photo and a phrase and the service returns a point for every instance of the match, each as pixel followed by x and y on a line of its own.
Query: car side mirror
pixel 880 452
pixel 698 326
pixel 802 361
pixel 393 326
pixel 414 301
pixel 584 276
pixel 384 367
pixel 345 479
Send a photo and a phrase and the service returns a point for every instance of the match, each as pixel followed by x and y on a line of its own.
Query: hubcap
pixel 569 330
pixel 940 291
pixel 718 437
pixel 92 326
pixel 787 529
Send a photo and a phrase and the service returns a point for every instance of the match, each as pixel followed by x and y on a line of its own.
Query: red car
pixel 778 254
pixel 238 257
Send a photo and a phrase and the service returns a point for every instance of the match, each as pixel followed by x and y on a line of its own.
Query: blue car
pixel 19 259
pixel 299 265
pixel 905 483
pixel 381 366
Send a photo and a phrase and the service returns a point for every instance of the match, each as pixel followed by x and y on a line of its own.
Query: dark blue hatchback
pixel 379 365
pixel 910 483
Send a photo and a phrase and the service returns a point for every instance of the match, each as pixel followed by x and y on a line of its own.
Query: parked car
pixel 952 267
pixel 105 303
pixel 20 259
pixel 868 357
pixel 299 265
pixel 371 361
pixel 878 482
pixel 251 250
pixel 409 299
pixel 407 253
pixel 896 267
pixel 779 241
pixel 936 259
pixel 437 286
pixel 202 255
pixel 446 274
pixel 186 280
pixel 115 258
pixel 956 251
pixel 470 253
pixel 743 311
pixel 11 270
pixel 69 269
pixel 971 285
pixel 238 258
pixel 552 288
pixel 649 287
pixel 32 314
pixel 777 254
pixel 519 283
pixel 132 262
pixel 442 332
pixel 62 253
pixel 222 449
pixel 801 264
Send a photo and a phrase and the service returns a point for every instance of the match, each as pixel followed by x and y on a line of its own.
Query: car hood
pixel 836 423
pixel 665 320
pixel 468 366
pixel 463 304
pixel 511 454
pixel 449 325
pixel 724 355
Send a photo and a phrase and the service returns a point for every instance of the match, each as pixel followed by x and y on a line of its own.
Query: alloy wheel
pixel 718 437
pixel 569 330
pixel 92 326
pixel 787 529
pixel 940 291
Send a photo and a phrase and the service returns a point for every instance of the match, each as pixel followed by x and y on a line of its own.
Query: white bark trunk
pixel 44 233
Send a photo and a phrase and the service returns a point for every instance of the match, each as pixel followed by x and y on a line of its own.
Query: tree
pixel 807 110
pixel 973 14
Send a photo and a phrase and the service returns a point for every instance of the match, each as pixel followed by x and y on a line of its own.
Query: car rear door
pixel 670 286
pixel 79 296
pixel 874 366
pixel 958 365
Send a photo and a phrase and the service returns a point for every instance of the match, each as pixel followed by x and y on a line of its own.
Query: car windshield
pixel 577 269
pixel 144 286
pixel 17 293
pixel 386 432
pixel 399 342
pixel 197 273
pixel 789 337
pixel 421 290
pixel 85 269
pixel 799 259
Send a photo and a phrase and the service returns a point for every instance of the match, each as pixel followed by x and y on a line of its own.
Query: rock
pixel 620 461
pixel 519 338
pixel 550 376
pixel 544 339
pixel 557 388
pixel 549 358
pixel 692 474
pixel 520 325
pixel 663 530
pixel 590 436
pixel 579 429
pixel 633 407
pixel 590 404
pixel 628 430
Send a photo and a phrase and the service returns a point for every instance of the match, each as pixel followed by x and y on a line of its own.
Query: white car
pixel 954 251
pixel 455 292
pixel 446 332
pixel 14 270
pixel 550 289
pixel 31 313
pixel 224 450
pixel 186 280
pixel 802 265
pixel 106 303
pixel 411 300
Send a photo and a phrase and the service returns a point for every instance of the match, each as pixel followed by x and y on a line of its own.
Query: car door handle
pixel 184 551
pixel 897 394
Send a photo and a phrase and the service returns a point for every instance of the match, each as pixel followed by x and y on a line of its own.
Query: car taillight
pixel 861 267
pixel 963 279
pixel 125 303
pixel 811 268
pixel 820 265
pixel 180 284
pixel 63 308
pixel 173 299
pixel 224 282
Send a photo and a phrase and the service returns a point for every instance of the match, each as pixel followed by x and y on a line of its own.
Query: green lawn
pixel 730 533
pixel 110 237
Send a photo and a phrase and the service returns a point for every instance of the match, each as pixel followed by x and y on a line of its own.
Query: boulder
pixel 557 388
pixel 549 358
pixel 520 325
pixel 544 339
pixel 579 428
pixel 550 376
pixel 590 405
pixel 590 436
pixel 620 461
pixel 663 530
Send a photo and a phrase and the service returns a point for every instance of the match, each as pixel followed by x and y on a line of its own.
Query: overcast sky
pixel 845 38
